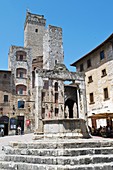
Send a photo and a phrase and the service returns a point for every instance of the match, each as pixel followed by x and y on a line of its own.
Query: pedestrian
pixel 19 130
pixel 2 132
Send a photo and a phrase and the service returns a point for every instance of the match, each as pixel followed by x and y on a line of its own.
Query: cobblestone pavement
pixel 4 141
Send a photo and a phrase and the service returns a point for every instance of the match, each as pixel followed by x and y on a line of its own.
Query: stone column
pixel 78 103
pixel 38 111
pixel 75 110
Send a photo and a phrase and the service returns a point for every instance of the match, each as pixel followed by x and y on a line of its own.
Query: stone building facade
pixel 38 72
pixel 6 100
pixel 98 68
pixel 20 65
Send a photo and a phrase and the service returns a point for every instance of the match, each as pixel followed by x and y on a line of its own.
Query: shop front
pixel 4 122
pixel 106 117
pixel 102 124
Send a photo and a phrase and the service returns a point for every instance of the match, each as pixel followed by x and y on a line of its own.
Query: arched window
pixel 56 61
pixel 33 79
pixel 21 89
pixel 21 73
pixel 21 55
pixel 56 86
pixel 56 112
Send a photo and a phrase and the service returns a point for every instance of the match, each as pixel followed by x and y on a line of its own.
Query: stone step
pixel 59 155
pixel 59 152
pixel 64 145
pixel 62 160
pixel 29 166
pixel 2 157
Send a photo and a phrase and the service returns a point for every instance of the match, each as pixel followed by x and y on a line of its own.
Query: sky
pixel 85 24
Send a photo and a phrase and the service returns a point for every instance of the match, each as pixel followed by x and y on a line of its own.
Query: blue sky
pixel 85 24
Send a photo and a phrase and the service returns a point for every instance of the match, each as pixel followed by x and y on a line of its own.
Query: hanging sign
pixel 27 122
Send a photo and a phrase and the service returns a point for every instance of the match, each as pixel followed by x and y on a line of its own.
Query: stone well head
pixel 65 128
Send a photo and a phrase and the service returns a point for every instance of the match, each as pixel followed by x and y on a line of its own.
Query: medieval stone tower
pixel 34 30
pixel 52 47
pixel 45 43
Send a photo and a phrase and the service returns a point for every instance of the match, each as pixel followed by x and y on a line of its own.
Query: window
pixel 56 61
pixel 14 107
pixel 90 79
pixel 56 86
pixel 5 98
pixel 46 84
pixel 21 57
pixel 56 111
pixel 81 68
pixel 104 73
pixel 43 96
pixel 5 76
pixel 91 97
pixel 43 113
pixel 88 63
pixel 21 73
pixel 56 97
pixel 21 90
pixel 106 93
pixel 33 79
pixel 21 104
pixel 101 55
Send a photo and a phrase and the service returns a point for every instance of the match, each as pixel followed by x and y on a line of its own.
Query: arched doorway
pixel 4 121
pixel 69 103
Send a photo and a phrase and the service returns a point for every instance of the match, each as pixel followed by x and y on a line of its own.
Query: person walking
pixel 19 130
pixel 2 132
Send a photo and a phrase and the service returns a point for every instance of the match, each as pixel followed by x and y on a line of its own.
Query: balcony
pixel 21 81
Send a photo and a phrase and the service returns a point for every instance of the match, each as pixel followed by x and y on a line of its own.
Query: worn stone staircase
pixel 79 154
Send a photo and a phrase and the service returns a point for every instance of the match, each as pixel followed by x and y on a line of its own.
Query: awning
pixel 102 116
